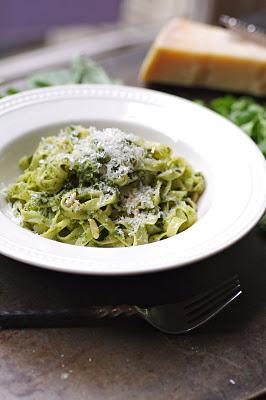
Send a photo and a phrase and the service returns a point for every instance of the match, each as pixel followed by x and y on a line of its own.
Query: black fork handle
pixel 62 317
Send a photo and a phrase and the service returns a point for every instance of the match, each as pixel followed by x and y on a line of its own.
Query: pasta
pixel 104 188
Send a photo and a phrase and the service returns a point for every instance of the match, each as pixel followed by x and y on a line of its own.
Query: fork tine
pixel 218 296
pixel 202 321
pixel 214 307
pixel 207 295
pixel 189 314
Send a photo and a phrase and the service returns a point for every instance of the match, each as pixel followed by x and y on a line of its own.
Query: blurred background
pixel 26 24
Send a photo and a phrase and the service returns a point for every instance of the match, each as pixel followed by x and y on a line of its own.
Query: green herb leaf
pixel 80 71
pixel 262 223
pixel 8 92
pixel 246 113
pixel 50 78
pixel 249 115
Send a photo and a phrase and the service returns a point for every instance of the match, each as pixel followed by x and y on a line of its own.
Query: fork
pixel 177 318
pixel 189 314
pixel 244 29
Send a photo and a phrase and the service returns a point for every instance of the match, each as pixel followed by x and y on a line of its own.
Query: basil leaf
pixel 82 70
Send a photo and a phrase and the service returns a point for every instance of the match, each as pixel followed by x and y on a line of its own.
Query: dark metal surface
pixel 179 317
pixel 127 359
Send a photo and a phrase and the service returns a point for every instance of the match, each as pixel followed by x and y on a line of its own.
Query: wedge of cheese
pixel 188 53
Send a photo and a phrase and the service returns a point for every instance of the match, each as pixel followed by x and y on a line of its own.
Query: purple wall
pixel 30 19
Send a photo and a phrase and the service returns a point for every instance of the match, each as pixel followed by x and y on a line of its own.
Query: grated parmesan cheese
pixel 140 198
pixel 120 150
pixel 141 218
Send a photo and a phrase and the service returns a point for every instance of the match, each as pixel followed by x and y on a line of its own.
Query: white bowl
pixel 235 171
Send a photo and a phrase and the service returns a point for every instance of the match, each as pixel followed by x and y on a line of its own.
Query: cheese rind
pixel 193 54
